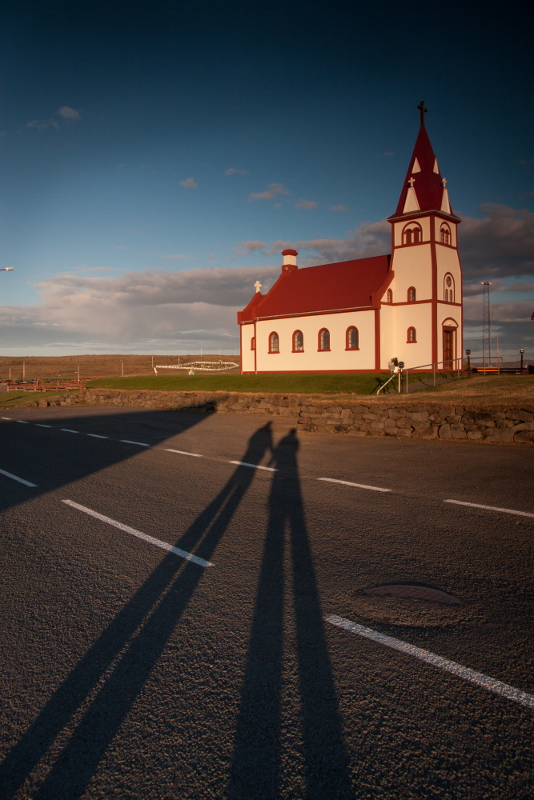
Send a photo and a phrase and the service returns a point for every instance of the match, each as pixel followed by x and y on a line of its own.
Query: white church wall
pixel 338 358
pixel 411 268
pixel 418 316
pixel 247 355
pixel 448 261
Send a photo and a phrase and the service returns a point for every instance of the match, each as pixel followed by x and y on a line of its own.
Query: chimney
pixel 290 261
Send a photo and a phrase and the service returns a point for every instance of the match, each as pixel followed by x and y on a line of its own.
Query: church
pixel 355 316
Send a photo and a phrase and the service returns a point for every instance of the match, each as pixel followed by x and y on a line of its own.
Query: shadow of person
pixel 128 650
pixel 256 765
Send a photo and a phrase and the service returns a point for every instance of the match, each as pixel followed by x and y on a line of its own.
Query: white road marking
pixel 490 508
pixel 144 536
pixel 253 466
pixel 357 485
pixel 8 418
pixel 68 430
pixel 97 436
pixel 129 441
pixel 478 678
pixel 22 421
pixel 40 425
pixel 183 452
pixel 14 477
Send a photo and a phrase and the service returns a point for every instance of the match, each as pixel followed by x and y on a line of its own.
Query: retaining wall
pixel 407 418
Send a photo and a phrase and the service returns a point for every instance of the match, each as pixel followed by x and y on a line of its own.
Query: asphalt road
pixel 129 670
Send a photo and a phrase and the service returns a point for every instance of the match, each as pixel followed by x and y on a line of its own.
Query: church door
pixel 448 348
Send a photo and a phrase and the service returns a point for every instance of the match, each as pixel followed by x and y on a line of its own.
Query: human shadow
pixel 257 753
pixel 134 640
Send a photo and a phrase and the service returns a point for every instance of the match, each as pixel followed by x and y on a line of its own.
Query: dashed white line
pixel 8 419
pixel 97 436
pixel 357 485
pixel 22 421
pixel 144 536
pixel 183 452
pixel 490 508
pixel 68 430
pixel 129 441
pixel 15 478
pixel 253 466
pixel 40 425
pixel 471 675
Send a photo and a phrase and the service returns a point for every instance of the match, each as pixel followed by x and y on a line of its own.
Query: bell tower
pixel 426 291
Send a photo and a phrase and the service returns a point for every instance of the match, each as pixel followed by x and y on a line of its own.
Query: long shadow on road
pixel 257 750
pixel 136 637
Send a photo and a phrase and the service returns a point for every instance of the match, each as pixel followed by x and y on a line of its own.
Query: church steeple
pixel 424 188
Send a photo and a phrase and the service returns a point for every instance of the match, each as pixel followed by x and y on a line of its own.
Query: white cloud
pixel 235 171
pixel 274 190
pixel 69 114
pixel 189 183
pixel 341 209
pixel 307 204
pixel 250 247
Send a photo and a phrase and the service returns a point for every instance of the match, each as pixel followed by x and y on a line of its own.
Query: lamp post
pixel 521 353
pixel 468 354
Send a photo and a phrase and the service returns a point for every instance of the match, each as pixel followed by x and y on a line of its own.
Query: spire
pixel 424 189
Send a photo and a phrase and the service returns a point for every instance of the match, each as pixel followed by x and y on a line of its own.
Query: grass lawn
pixel 302 383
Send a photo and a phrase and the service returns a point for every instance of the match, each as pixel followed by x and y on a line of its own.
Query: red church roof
pixel 329 287
pixel 425 178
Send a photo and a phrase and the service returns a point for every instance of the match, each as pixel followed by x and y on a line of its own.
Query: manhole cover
pixel 413 591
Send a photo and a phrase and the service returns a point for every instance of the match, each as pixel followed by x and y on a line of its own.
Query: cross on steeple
pixel 411 182
pixel 422 111
pixel 257 286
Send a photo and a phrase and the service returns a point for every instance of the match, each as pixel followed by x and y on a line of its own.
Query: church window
pixel 411 337
pixel 411 294
pixel 412 234
pixel 448 289
pixel 298 342
pixel 389 296
pixel 274 343
pixel 253 343
pixel 353 338
pixel 324 339
pixel 445 234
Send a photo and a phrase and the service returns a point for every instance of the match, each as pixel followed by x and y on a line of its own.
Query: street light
pixel 521 353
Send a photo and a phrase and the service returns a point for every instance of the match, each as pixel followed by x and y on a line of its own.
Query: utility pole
pixel 486 325
pixel 122 368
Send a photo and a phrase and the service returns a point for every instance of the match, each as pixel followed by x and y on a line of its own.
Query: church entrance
pixel 448 347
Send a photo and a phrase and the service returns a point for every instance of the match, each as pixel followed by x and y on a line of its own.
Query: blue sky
pixel 157 156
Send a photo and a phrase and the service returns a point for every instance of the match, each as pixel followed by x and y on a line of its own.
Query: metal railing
pixel 203 366
pixel 450 365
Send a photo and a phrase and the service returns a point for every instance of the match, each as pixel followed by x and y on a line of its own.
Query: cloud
pixel 189 183
pixel 235 171
pixel 274 190
pixel 182 310
pixel 341 209
pixel 40 125
pixel 307 204
pixel 250 247
pixel 69 114
pixel 500 244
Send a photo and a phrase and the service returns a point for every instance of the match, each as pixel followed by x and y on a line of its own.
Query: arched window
pixel 389 296
pixel 253 343
pixel 411 294
pixel 324 339
pixel 445 234
pixel 298 342
pixel 412 234
pixel 448 289
pixel 274 342
pixel 353 338
pixel 411 335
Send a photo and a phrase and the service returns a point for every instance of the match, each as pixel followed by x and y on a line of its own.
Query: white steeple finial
pixel 257 286
pixel 411 182
pixel 444 183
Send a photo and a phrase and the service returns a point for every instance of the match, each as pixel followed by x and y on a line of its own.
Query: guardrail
pixel 38 386
pixel 205 366
pixel 450 365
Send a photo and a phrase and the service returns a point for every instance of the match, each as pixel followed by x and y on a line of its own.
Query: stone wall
pixel 411 417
